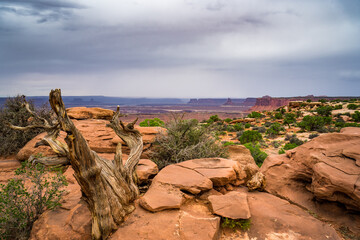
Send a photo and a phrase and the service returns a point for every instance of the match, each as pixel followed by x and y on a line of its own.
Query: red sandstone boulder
pixel 146 169
pixel 100 138
pixel 232 205
pixel 219 170
pixel 325 168
pixel 81 113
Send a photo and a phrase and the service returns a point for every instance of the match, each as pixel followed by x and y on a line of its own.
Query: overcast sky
pixel 180 48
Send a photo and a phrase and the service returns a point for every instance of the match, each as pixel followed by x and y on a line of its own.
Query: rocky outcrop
pixel 191 216
pixel 243 120
pixel 81 113
pixel 170 187
pixel 326 169
pixel 100 138
pixel 268 103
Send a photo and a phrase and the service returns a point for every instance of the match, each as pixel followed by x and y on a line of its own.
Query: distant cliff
pixel 269 103
pixel 222 101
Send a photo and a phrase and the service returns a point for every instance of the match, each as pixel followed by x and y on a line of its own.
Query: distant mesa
pixel 267 103
pixel 222 101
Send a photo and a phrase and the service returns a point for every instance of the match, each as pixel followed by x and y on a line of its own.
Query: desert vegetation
pixel 24 198
pixel 14 112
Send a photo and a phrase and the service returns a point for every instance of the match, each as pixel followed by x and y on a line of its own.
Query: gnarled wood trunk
pixel 109 187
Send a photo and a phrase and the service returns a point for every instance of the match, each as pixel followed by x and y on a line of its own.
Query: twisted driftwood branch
pixel 109 187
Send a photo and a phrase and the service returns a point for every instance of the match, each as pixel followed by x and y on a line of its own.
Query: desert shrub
pixel 250 136
pixel 13 112
pixel 275 144
pixel 222 133
pixel 247 125
pixel 225 144
pixel 356 116
pixel 278 115
pixel 339 106
pixel 309 100
pixel 313 135
pixel 314 123
pixel 281 151
pixel 323 100
pixel 228 120
pixel 243 224
pixel 155 122
pixel 289 146
pixel 293 139
pixel 267 124
pixel 21 206
pixel 281 110
pixel 289 118
pixel 274 130
pixel 352 106
pixel 324 111
pixel 214 118
pixel 238 126
pixel 261 129
pixel 239 133
pixel 258 155
pixel 185 140
pixel 255 115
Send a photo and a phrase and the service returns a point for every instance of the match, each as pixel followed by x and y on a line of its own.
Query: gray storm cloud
pixel 180 48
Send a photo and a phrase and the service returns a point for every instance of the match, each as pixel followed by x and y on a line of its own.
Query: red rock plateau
pixel 312 192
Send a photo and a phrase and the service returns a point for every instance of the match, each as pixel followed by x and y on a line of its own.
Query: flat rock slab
pixel 183 178
pixel 199 228
pixel 160 197
pixel 167 225
pixel 220 171
pixel 232 205
pixel 274 218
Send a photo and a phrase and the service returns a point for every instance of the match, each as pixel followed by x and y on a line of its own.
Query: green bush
pixel 238 126
pixel 278 115
pixel 274 130
pixel 156 122
pixel 250 136
pixel 314 123
pixel 289 118
pixel 14 112
pixel 21 206
pixel 352 106
pixel 324 111
pixel 281 151
pixel 313 135
pixel 289 146
pixel 356 116
pixel 247 125
pixel 228 120
pixel 258 155
pixel 214 118
pixel 267 124
pixel 185 140
pixel 275 144
pixel 293 139
pixel 339 106
pixel 255 115
pixel 228 144
pixel 243 224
